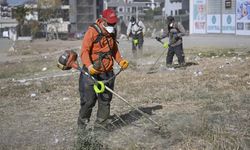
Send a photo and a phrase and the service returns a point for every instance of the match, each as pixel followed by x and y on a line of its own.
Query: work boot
pixel 102 125
pixel 82 123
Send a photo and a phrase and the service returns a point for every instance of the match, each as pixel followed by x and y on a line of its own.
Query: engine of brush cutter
pixel 67 60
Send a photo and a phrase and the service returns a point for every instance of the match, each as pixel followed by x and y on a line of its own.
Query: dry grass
pixel 208 111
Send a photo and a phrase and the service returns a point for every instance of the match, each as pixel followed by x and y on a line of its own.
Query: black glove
pixel 158 38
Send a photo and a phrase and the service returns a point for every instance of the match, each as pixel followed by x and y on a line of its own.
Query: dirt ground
pixel 202 106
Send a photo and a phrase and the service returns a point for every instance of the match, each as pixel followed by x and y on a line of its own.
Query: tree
pixel 149 14
pixel 47 10
pixel 20 13
pixel 34 25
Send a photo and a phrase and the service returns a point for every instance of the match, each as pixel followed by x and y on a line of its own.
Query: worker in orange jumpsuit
pixel 98 53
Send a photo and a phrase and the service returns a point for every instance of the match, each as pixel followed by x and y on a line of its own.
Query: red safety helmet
pixel 110 16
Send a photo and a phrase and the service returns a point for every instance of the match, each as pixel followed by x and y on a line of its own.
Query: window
pixel 228 3
pixel 128 10
pixel 133 9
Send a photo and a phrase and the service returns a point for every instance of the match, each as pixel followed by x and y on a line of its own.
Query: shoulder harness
pixel 101 55
pixel 99 31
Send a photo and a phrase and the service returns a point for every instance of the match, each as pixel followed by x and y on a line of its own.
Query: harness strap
pixel 140 28
pixel 100 34
pixel 101 55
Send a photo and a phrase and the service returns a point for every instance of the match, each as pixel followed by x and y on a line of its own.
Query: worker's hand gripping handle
pixel 165 44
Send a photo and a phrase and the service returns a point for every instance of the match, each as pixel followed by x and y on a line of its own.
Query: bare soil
pixel 202 106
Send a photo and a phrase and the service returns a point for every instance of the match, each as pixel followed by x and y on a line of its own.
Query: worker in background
pixel 136 30
pixel 175 31
pixel 98 53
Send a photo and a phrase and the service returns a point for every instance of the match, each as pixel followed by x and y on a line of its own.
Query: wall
pixel 216 18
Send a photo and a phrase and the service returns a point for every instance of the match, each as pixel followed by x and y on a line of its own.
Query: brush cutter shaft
pixel 138 110
pixel 159 40
pixel 157 58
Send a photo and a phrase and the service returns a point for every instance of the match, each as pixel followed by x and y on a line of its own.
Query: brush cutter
pixel 68 60
pixel 165 45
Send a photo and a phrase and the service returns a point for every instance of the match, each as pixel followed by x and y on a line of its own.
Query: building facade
pixel 83 13
pixel 172 7
pixel 179 9
pixel 127 8
pixel 7 24
pixel 220 16
pixel 58 19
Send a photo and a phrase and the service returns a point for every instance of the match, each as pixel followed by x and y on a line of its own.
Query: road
pixel 5 45
pixel 192 41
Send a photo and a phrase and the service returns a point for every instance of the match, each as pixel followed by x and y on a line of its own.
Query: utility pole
pixel 105 4
pixel 137 14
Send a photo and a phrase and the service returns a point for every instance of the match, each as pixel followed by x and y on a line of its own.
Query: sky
pixel 15 2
